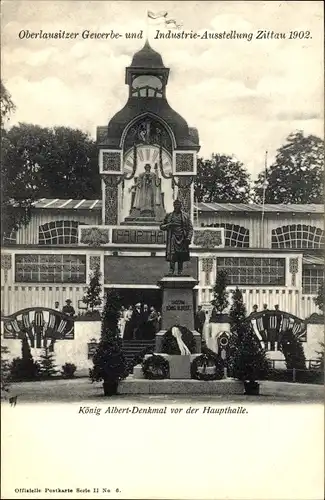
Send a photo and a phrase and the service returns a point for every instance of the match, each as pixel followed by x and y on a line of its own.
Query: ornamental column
pixel 184 172
pixel 111 172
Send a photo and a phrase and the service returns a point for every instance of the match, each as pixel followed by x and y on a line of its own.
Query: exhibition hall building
pixel 273 253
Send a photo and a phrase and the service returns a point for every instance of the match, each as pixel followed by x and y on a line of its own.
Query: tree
pixel 220 294
pixel 319 300
pixel 296 176
pixel 109 361
pixel 246 359
pixel 24 368
pixel 221 179
pixel 7 105
pixel 293 351
pixel 93 294
pixel 237 313
pixel 41 162
pixel 70 168
pixel 5 371
pixel 47 365
pixel 23 148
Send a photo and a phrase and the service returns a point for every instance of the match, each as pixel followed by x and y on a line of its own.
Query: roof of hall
pixel 56 204
pixel 147 58
pixel 254 207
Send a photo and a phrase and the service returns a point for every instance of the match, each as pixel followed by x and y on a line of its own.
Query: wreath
pixel 170 345
pixel 200 364
pixel 155 367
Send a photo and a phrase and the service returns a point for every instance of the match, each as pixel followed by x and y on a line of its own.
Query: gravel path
pixel 81 389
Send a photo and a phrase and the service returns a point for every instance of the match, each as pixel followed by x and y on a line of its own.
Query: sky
pixel 244 97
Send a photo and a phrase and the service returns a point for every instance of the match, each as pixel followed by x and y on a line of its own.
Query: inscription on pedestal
pixel 139 236
pixel 178 308
pixel 178 305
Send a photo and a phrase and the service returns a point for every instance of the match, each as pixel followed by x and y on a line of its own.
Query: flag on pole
pixel 157 15
pixel 171 23
pixel 162 17
pixel 265 184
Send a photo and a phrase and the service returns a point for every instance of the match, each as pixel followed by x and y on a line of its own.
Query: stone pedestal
pixel 177 307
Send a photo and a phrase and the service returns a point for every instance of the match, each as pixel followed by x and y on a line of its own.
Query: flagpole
pixel 263 198
pixel 147 27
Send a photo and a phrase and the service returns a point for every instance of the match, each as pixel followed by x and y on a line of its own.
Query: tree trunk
pixel 110 387
pixel 252 388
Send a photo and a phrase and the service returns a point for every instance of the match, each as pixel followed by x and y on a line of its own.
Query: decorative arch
pixel 140 118
pixel 235 235
pixel 297 236
pixel 58 232
pixel 270 326
pixel 39 325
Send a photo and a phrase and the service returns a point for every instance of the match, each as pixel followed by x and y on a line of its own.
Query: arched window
pixel 147 86
pixel 235 236
pixel 297 236
pixel 58 232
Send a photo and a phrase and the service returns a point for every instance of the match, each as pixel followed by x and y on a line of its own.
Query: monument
pixel 148 165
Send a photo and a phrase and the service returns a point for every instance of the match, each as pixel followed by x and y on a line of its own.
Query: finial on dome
pixel 147 57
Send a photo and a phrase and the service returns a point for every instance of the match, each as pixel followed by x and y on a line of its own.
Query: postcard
pixel 162 250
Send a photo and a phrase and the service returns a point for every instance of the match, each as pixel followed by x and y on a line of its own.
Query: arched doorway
pixel 132 296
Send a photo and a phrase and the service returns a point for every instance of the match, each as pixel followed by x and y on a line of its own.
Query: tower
pixel 147 152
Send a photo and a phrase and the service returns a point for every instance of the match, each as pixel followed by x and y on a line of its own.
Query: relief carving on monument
pixel 293 268
pixel 184 194
pixel 111 161
pixel 184 162
pixel 111 198
pixel 207 268
pixel 6 263
pixel 147 131
pixel 94 236
pixel 208 239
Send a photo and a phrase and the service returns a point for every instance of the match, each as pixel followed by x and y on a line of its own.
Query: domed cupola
pixel 147 58
pixel 147 76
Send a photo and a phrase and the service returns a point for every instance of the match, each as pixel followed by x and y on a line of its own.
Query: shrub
pixel 220 294
pixel 319 300
pixel 293 351
pixel 247 359
pixel 92 297
pixel 68 370
pixel 109 360
pixel 47 365
pixel 24 368
pixel 5 371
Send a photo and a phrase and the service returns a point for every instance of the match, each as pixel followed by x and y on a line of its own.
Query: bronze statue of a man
pixel 179 235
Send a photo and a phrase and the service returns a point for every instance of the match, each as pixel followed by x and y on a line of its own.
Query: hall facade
pixel 274 254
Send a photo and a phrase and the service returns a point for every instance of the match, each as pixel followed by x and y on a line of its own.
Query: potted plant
pixel 247 359
pixel 109 362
